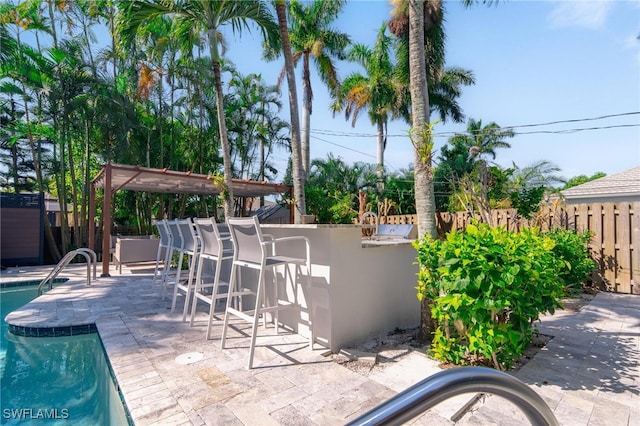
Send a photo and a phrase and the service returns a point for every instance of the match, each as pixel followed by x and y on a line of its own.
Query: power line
pixel 576 120
pixel 567 131
pixel 387 164
pixel 448 134
pixel 344 147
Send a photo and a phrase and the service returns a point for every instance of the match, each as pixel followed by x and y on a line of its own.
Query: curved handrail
pixel 94 259
pixel 88 254
pixel 449 383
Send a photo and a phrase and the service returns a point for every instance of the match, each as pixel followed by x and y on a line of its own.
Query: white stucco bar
pixel 359 289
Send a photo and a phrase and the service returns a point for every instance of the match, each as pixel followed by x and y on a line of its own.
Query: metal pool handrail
pixel 88 254
pixel 449 383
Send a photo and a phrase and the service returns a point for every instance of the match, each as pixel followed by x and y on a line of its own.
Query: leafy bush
pixel 330 206
pixel 488 286
pixel 572 248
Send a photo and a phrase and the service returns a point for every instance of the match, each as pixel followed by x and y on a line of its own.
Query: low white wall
pixel 357 292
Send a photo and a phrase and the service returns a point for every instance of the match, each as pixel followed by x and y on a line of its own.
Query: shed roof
pixel 137 178
pixel 623 184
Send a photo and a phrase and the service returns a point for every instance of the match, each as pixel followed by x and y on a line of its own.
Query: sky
pixel 535 62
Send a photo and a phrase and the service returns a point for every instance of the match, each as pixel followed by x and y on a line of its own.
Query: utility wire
pixel 567 131
pixel 447 134
pixel 344 147
pixel 576 120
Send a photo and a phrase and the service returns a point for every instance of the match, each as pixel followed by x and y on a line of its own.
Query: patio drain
pixel 189 358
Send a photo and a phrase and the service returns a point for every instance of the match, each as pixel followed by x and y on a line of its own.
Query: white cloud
pixel 580 13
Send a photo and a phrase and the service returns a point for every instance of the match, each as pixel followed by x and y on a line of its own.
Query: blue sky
pixel 534 62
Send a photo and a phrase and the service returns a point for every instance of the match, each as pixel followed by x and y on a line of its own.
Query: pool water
pixel 58 380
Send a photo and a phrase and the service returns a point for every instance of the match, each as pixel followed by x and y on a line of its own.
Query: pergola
pixel 114 177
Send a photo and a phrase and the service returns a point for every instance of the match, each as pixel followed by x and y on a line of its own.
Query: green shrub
pixel 488 286
pixel 572 248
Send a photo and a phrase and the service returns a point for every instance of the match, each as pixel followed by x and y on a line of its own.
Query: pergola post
pixel 106 221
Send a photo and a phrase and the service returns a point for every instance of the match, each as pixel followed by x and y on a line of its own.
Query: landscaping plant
pixel 572 248
pixel 488 287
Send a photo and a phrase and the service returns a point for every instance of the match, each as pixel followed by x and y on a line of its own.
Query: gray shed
pixel 616 188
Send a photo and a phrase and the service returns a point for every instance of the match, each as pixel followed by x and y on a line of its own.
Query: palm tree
pixel 540 173
pixel 312 38
pixel 421 136
pixel 208 17
pixel 333 174
pixel 433 86
pixel 377 91
pixel 23 66
pixel 445 90
pixel 413 23
pixel 299 201
pixel 252 104
pixel 472 173
pixel 482 141
pixel 443 83
pixel 332 187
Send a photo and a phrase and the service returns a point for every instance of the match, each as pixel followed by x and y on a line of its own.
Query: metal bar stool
pixel 190 247
pixel 164 250
pixel 252 250
pixel 212 251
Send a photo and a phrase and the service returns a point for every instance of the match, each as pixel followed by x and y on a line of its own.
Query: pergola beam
pixel 137 178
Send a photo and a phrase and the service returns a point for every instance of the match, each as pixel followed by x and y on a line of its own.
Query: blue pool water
pixel 55 380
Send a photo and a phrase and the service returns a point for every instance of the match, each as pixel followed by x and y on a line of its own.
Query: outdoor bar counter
pixel 359 289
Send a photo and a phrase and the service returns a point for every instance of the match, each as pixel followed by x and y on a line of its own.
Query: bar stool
pixel 190 248
pixel 177 248
pixel 252 250
pixel 213 251
pixel 164 249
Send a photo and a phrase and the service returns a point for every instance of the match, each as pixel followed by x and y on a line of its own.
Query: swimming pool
pixel 61 380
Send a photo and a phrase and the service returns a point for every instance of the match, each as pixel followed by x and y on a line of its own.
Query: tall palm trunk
pixel 380 154
pixel 48 233
pixel 74 190
pixel 423 145
pixel 307 102
pixel 86 186
pixel 227 191
pixel 37 163
pixel 36 155
pixel 421 135
pixel 61 143
pixel 299 175
pixel 14 153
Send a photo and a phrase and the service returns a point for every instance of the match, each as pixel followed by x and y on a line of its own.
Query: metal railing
pixel 449 383
pixel 88 254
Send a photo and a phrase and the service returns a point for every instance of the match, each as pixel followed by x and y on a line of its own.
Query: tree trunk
pixel 307 99
pixel 427 324
pixel 299 176
pixel 35 150
pixel 227 191
pixel 421 136
pixel 74 190
pixel 423 145
pixel 380 156
pixel 37 163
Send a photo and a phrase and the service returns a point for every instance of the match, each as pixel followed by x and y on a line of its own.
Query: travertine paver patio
pixel 588 373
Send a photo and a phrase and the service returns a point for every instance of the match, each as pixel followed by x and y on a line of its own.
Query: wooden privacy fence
pixel 614 243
